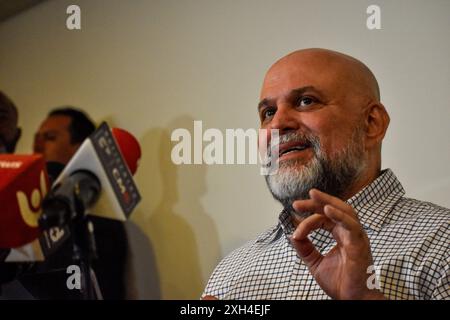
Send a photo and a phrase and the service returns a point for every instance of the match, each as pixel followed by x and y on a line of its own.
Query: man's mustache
pixel 295 137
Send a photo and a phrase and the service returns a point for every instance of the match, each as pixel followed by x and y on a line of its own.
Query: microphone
pixel 23 186
pixel 97 180
pixel 49 240
pixel 104 160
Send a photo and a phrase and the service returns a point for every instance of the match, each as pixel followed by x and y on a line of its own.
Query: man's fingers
pixel 318 202
pixel 307 252
pixel 353 231
pixel 341 218
pixel 324 198
pixel 313 222
pixel 331 218
pixel 309 205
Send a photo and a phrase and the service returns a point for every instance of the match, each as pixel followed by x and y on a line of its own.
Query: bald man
pixel 346 230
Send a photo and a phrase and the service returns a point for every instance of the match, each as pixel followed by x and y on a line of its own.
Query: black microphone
pixel 73 195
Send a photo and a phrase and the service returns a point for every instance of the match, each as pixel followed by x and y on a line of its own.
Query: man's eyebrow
pixel 294 92
pixel 47 132
pixel 302 90
pixel 263 103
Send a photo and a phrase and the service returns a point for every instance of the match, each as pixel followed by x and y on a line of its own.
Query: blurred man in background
pixel 57 139
pixel 61 134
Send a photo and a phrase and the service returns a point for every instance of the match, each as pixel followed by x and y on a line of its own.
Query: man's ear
pixel 377 122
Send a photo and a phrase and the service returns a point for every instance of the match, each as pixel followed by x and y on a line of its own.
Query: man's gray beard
pixel 333 175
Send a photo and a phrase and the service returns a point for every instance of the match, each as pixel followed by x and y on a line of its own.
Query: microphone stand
pixel 84 252
pixel 67 205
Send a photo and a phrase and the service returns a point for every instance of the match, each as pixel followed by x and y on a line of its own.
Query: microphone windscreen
pixel 129 147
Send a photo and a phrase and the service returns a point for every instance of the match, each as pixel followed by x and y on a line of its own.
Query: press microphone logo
pixel 56 234
pixel 30 215
pixel 126 197
pixel 120 183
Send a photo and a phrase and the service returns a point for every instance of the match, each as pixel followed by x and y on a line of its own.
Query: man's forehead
pixel 324 69
pixel 56 123
pixel 281 80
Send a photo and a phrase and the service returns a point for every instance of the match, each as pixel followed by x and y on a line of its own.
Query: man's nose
pixel 285 119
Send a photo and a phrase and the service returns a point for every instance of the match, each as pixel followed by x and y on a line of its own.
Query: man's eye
pixel 306 101
pixel 268 113
pixel 49 137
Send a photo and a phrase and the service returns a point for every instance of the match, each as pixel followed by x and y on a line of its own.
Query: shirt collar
pixel 373 204
pixel 284 226
pixel 376 201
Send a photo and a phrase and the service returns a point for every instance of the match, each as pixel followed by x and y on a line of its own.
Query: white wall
pixel 152 66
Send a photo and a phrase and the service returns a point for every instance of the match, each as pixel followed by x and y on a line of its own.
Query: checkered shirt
pixel 409 241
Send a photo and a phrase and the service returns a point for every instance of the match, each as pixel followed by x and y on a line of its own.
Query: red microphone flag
pixel 23 185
